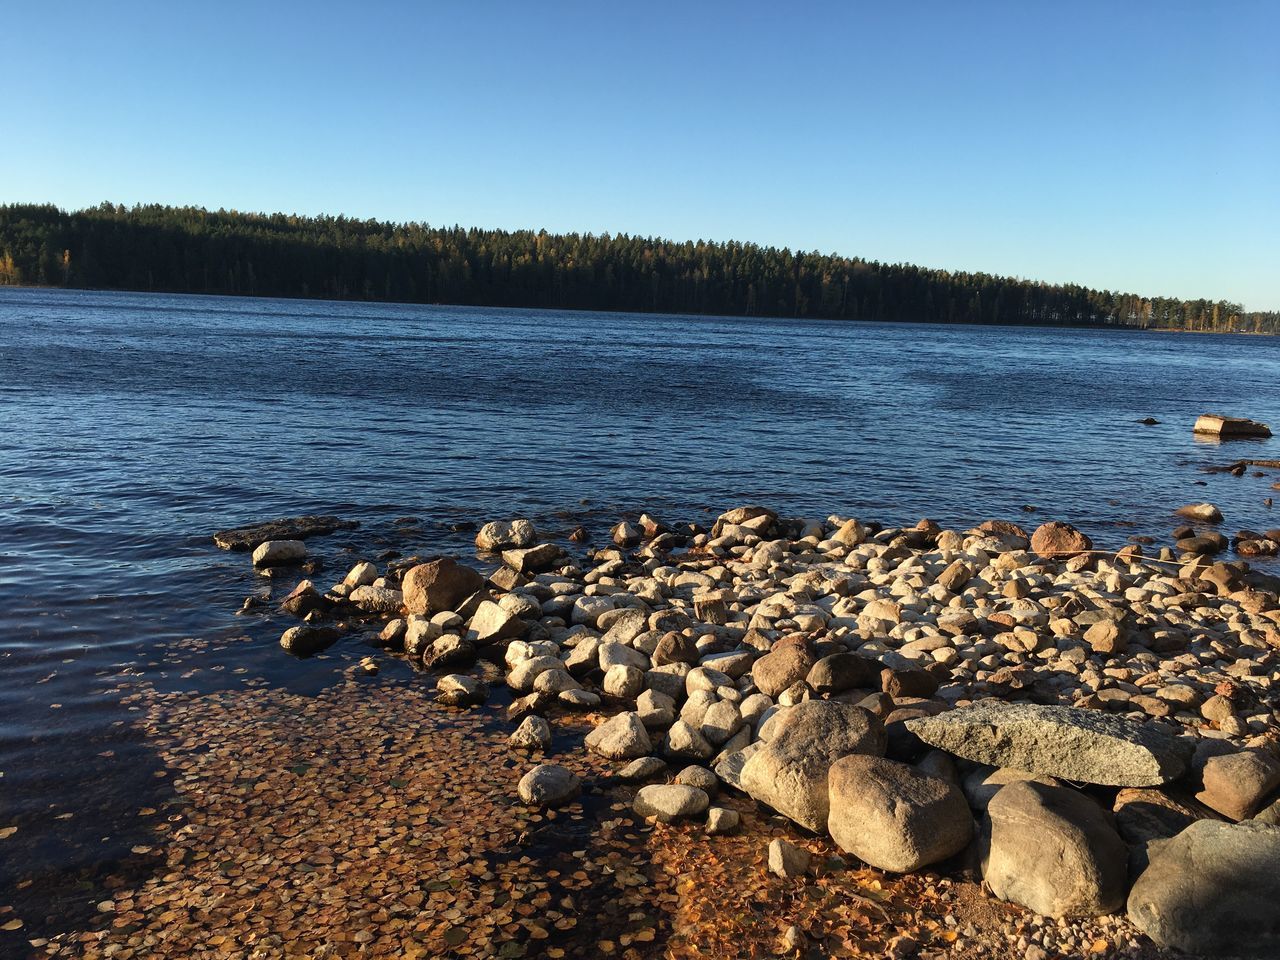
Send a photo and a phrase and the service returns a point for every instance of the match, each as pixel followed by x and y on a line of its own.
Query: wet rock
pixel 1059 541
pixel 1213 890
pixel 788 860
pixel 274 553
pixel 505 535
pixel 1053 851
pixel 439 585
pixel 549 785
pixel 290 528
pixel 670 801
pixel 893 817
pixel 307 639
pixel 790 772
pixel 459 690
pixel 534 733
pixel 1066 742
pixel 1202 512
pixel 622 737
pixel 376 599
pixel 305 598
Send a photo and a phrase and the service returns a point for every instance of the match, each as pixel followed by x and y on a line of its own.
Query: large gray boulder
pixel 1053 850
pixel 893 817
pixel 622 737
pixel 1067 742
pixel 1214 889
pixel 790 772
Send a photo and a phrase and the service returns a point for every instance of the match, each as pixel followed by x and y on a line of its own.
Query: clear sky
pixel 1132 146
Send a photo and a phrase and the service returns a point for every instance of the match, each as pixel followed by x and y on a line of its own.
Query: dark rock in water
pixel 304 599
pixel 1148 421
pixel 466 526
pixel 304 640
pixel 1066 742
pixel 289 528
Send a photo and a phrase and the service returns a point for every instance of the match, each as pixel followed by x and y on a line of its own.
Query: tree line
pixel 193 250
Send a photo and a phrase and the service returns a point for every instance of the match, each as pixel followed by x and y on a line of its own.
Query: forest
pixel 193 250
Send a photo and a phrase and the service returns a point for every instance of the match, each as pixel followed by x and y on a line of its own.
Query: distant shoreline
pixel 1037 325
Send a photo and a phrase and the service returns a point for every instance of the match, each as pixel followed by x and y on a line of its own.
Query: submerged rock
pixel 306 639
pixel 1066 742
pixel 549 785
pixel 290 528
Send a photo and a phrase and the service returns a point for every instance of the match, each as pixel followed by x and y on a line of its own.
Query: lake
pixel 136 425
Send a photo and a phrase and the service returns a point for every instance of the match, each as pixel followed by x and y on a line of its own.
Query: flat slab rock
pixel 1067 742
pixel 289 528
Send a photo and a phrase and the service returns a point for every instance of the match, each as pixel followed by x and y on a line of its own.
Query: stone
pixel 1059 541
pixel 376 599
pixel 307 639
pixel 534 733
pixel 1213 890
pixel 700 777
pixel 523 674
pixel 491 623
pixel 1144 817
pixel 1052 850
pixel 623 681
pixel 449 650
pixel 1237 784
pixel 790 772
pixel 955 576
pixel 720 722
pixel 655 709
pixel 459 690
pixel 361 575
pixel 304 598
pixel 721 820
pixel 983 783
pixel 788 860
pixel 675 648
pixel 1203 512
pixel 1067 742
pixel 503 535
pixel 670 801
pixel 290 528
pixel 279 552
pixel 686 742
pixel 622 737
pixel 643 768
pixel 443 584
pixel 843 671
pixel 728 766
pixel 1106 636
pixel 776 671
pixel 549 785
pixel 893 817
pixel 531 560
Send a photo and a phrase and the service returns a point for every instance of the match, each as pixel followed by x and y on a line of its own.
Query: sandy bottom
pixel 368 821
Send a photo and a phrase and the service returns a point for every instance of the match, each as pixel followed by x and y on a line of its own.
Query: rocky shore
pixel 1093 734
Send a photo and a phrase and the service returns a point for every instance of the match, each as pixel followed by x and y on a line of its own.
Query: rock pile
pixel 1079 725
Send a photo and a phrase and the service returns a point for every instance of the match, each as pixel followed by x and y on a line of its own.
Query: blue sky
pixel 1132 146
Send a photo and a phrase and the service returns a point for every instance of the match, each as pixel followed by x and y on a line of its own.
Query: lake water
pixel 136 425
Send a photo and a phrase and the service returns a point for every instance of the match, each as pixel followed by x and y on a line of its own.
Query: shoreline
pixel 640 671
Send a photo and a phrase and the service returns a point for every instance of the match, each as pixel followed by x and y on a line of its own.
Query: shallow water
pixel 136 425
